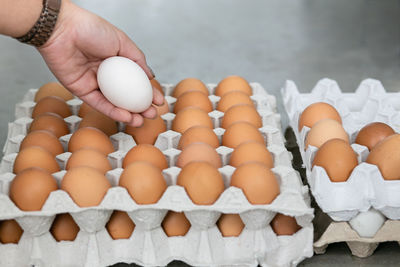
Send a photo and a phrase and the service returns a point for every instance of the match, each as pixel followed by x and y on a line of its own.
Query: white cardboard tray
pixel 203 245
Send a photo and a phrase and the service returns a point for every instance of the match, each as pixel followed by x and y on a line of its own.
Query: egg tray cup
pixel 345 202
pixel 203 245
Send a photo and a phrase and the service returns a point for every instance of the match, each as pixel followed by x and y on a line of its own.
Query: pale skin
pixel 79 43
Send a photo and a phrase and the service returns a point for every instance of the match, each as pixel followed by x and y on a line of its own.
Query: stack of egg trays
pixel 365 188
pixel 203 245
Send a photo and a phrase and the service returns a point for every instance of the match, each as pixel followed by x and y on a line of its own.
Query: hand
pixel 79 43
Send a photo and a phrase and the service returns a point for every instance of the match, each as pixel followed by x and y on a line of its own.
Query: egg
pixel 323 131
pixel 198 134
pixel 233 98
pixel 284 225
pixel 386 155
pixel 148 132
pixel 90 138
pixel 120 225
pixel 316 112
pixel 240 132
pixel 251 151
pixel 50 122
pixel 156 85
pixel 125 84
pixel 53 104
pixel 100 121
pixel 190 117
pixel 30 189
pixel 85 109
pixel 241 113
pixel 143 191
pixel 10 232
pixel 199 152
pixel 53 89
pixel 64 228
pixel 35 156
pixel 337 158
pixel 193 99
pixel 258 182
pixel 373 133
pixel 233 83
pixel 189 84
pixel 85 185
pixel 44 139
pixel 230 225
pixel 163 109
pixel 89 157
pixel 175 224
pixel 202 182
pixel 148 153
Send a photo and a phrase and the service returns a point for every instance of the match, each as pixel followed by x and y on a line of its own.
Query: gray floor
pixel 267 41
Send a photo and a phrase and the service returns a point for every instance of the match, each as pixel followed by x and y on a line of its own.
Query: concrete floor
pixel 267 41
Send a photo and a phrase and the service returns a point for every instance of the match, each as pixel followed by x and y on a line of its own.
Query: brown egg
pixel 30 188
pixel 10 232
pixel 257 181
pixel 189 84
pixel 85 109
pixel 190 117
pixel 323 131
pixel 156 85
pixel 241 113
pixel 35 156
pixel 85 185
pixel 233 98
pixel 163 109
pixel 143 191
pixel 230 225
pixel 193 99
pixel 251 151
pixel 148 132
pixel 199 152
pixel 240 132
pixel 53 89
pixel 284 225
pixel 373 133
pixel 148 153
pixel 53 104
pixel 99 121
pixel 386 155
pixel 233 83
pixel 64 228
pixel 175 224
pixel 197 134
pixel 337 158
pixel 316 112
pixel 202 182
pixel 50 122
pixel 120 225
pixel 44 139
pixel 90 158
pixel 89 137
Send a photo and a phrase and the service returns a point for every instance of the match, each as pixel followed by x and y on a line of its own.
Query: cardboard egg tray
pixel 365 189
pixel 203 245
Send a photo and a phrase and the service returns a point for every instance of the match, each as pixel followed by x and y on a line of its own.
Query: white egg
pixel 125 84
pixel 367 223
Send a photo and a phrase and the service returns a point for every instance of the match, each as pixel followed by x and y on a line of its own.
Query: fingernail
pixel 151 71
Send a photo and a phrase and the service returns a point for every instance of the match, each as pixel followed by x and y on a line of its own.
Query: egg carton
pixel 203 245
pixel 328 231
pixel 150 246
pixel 264 103
pixel 365 187
pixel 362 233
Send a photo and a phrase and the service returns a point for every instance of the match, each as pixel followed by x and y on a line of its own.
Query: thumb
pixel 129 49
